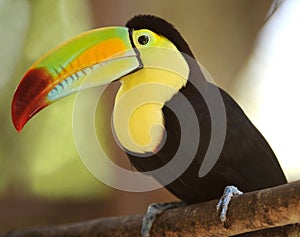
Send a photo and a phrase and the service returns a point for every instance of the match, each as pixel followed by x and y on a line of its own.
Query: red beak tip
pixel 18 128
pixel 29 97
pixel 18 124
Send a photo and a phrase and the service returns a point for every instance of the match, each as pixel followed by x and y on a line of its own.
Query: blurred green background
pixel 42 179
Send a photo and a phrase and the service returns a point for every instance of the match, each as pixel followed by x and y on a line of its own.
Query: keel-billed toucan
pixel 151 132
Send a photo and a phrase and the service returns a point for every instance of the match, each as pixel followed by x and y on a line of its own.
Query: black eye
pixel 143 39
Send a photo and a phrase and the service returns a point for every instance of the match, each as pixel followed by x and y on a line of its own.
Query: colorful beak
pixel 93 58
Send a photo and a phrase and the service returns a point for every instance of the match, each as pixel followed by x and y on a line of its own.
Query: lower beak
pixel 93 58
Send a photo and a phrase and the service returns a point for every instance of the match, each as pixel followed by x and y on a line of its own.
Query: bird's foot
pixel 154 210
pixel 223 203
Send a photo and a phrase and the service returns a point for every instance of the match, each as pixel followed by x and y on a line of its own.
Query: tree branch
pixel 270 212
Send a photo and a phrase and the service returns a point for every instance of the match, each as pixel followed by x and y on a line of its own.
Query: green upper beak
pixel 105 53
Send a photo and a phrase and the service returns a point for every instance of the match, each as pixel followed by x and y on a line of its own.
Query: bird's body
pixel 246 160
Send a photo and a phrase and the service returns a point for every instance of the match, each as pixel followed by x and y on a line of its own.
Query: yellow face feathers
pixel 138 118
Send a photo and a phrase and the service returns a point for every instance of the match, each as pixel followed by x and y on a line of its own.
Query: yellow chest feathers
pixel 137 118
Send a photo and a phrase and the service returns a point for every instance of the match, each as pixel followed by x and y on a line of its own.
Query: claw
pixel 154 210
pixel 157 208
pixel 224 201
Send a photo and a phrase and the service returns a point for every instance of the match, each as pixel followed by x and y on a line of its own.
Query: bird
pixel 165 106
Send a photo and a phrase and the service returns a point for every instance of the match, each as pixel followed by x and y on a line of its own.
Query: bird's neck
pixel 137 118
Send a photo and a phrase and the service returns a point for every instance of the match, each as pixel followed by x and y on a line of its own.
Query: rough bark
pixel 270 212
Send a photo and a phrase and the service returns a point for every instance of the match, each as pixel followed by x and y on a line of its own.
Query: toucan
pixel 165 108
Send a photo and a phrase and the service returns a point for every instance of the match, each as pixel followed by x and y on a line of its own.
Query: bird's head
pixel 148 53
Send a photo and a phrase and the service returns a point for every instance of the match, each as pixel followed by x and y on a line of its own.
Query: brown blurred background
pixel 42 180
